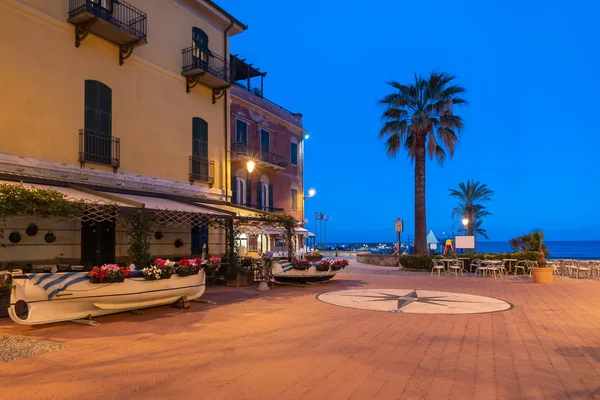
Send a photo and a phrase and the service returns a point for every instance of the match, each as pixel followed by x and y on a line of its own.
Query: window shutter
pixel 259 193
pixel 199 137
pixel 248 192
pixel 98 108
pixel 271 195
pixel 241 132
pixel 200 38
pixel 294 153
pixel 233 189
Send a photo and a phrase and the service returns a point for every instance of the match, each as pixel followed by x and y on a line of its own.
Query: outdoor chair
pixel 502 268
pixel 481 268
pixel 474 263
pixel 455 267
pixel 494 270
pixel 595 269
pixel 438 266
pixel 585 267
pixel 520 265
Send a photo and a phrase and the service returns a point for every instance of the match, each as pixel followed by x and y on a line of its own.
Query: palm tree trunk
pixel 420 217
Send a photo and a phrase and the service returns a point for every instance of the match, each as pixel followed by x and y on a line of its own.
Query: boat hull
pixel 70 296
pixel 284 273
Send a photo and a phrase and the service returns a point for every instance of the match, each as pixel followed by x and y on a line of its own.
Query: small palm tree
pixel 419 119
pixel 470 197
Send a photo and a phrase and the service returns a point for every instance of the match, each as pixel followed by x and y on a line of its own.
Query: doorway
pixel 97 243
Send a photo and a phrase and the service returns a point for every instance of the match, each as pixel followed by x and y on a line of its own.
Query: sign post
pixel 399 228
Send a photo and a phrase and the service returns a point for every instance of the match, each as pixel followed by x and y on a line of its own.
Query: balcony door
pixel 200 148
pixel 265 145
pixel 98 122
pixel 103 7
pixel 97 243
pixel 200 48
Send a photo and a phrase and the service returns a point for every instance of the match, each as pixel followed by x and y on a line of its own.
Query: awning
pixel 71 193
pixel 159 203
pixel 238 211
pixel 304 232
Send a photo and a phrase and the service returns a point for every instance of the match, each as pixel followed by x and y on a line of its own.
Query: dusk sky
pixel 530 69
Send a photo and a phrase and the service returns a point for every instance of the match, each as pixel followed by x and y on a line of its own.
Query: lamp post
pixel 465 222
pixel 311 193
pixel 250 165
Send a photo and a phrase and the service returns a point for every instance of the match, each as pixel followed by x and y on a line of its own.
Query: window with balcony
pixel 294 196
pixel 265 145
pixel 96 143
pixel 240 191
pixel 294 153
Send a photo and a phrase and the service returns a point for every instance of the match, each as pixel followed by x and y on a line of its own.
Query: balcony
pixel 202 170
pixel 116 21
pixel 99 148
pixel 206 68
pixel 243 152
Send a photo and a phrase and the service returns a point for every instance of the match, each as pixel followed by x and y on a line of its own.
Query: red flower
pixel 184 262
pixel 160 262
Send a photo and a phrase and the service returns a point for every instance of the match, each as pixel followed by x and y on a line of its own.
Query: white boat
pixel 66 296
pixel 285 273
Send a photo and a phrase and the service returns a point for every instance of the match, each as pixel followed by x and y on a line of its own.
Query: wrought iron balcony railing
pixel 118 13
pixel 257 154
pixel 195 59
pixel 202 170
pixel 99 148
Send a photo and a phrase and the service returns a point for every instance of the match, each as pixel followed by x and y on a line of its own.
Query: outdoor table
pixel 511 262
pixel 447 262
pixel 463 261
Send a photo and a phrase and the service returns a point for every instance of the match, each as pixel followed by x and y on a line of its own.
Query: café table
pixel 510 262
pixel 447 262
pixel 463 261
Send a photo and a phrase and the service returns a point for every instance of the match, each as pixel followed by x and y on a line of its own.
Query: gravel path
pixel 14 347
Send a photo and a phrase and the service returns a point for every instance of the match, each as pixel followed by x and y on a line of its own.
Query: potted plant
pixel 187 267
pixel 242 274
pixel 323 266
pixel 313 256
pixel 542 273
pixel 161 269
pixel 302 265
pixel 339 264
pixel 108 273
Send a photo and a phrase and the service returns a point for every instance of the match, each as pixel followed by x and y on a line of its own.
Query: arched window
pixel 200 46
pixel 200 148
pixel 97 145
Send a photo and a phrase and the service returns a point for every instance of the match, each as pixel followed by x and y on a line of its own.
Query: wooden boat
pixel 285 273
pixel 66 296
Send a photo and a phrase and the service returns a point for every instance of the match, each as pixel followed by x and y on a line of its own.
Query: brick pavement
pixel 285 344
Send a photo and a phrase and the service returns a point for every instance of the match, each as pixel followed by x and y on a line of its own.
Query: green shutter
pixel 259 193
pixel 241 132
pixel 248 192
pixel 294 153
pixel 233 189
pixel 271 195
pixel 200 38
pixel 98 108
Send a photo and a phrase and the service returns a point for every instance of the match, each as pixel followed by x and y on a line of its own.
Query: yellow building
pixel 118 102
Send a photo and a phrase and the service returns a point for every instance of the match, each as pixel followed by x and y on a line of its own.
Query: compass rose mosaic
pixel 414 301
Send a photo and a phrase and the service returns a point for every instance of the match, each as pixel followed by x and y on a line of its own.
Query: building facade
pixel 272 138
pixel 116 102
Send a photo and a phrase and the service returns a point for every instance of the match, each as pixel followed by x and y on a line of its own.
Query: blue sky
pixel 530 68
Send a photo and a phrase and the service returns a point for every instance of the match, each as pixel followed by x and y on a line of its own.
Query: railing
pixel 119 13
pixel 202 170
pixel 257 154
pixel 99 148
pixel 259 94
pixel 206 60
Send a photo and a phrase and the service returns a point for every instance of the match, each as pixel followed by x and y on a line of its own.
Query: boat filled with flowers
pixel 41 298
pixel 313 269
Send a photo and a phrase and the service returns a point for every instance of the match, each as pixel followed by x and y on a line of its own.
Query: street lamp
pixel 465 222
pixel 311 193
pixel 250 165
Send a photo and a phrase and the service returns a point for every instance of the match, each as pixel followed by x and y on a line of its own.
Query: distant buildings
pixel 138 105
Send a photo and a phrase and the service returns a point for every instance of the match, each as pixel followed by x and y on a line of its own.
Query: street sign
pixel 399 225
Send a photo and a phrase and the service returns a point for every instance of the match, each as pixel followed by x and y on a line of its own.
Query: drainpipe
pixel 227 116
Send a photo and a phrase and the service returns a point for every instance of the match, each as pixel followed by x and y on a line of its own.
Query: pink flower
pixel 160 262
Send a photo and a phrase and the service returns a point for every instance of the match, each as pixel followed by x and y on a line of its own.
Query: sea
pixel 577 250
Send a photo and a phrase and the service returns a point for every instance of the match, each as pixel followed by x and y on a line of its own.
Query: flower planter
pixel 542 275
pixel 194 271
pixel 301 267
pixel 118 279
pixel 336 267
pixel 163 275
pixel 241 279
pixel 314 258
pixel 322 268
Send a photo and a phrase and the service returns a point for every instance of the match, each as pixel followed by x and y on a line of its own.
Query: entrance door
pixel 265 145
pixel 199 239
pixel 97 243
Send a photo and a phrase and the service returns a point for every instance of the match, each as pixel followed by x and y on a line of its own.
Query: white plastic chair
pixel 455 267
pixel 438 266
pixel 482 268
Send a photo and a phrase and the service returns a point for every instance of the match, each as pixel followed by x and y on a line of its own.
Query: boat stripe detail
pixel 67 284
pixel 57 282
pixel 286 267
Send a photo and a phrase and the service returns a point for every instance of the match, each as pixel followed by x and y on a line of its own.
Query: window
pixel 294 200
pixel 98 122
pixel 241 131
pixel 294 153
pixel 264 196
pixel 200 47
pixel 240 191
pixel 265 145
pixel 200 149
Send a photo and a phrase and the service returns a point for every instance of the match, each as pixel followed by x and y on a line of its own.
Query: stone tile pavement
pixel 285 344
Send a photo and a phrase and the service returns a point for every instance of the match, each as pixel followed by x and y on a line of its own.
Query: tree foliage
pixel 470 196
pixel 419 119
pixel 529 242
pixel 141 226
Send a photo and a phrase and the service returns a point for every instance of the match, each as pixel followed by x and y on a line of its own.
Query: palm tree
pixel 470 197
pixel 419 119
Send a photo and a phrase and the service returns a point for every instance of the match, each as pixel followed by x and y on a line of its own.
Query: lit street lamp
pixel 465 222
pixel 250 165
pixel 311 193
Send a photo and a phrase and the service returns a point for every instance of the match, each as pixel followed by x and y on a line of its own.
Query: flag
pixel 317 215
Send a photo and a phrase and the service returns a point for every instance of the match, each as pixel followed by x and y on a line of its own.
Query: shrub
pixel 416 262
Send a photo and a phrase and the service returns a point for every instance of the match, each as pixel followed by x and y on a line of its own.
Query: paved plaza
pixel 540 342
